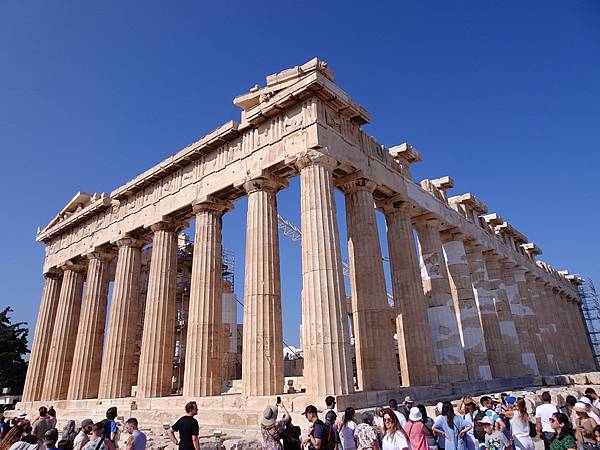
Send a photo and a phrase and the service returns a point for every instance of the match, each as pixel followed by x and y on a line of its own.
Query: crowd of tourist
pixel 492 423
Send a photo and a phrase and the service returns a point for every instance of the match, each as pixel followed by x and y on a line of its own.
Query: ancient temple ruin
pixel 470 305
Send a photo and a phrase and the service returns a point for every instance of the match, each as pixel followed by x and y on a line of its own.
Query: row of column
pixel 464 314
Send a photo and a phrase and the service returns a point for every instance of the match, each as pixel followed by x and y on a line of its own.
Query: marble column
pixel 563 334
pixel 510 337
pixel 487 310
pixel 544 313
pixel 327 363
pixel 535 324
pixel 417 362
pixel 118 374
pixel 443 322
pixel 262 352
pixel 570 335
pixel 87 359
pixel 34 381
pixel 588 362
pixel 158 338
pixel 509 279
pixel 461 286
pixel 203 365
pixel 62 346
pixel 376 365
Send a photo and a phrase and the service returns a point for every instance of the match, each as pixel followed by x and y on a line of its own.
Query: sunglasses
pixel 552 420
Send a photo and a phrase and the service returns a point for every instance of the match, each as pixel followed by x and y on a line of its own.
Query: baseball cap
pixel 310 409
pixel 50 437
pixel 87 422
pixel 487 420
pixel 22 415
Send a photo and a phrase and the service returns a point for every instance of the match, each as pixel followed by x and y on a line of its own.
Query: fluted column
pixel 118 374
pixel 36 369
pixel 443 321
pixel 564 338
pixel 510 276
pixel 376 365
pixel 487 311
pixel 461 285
pixel 262 352
pixel 544 313
pixel 533 299
pixel 417 362
pixel 158 338
pixel 510 337
pixel 62 346
pixel 203 365
pixel 327 364
pixel 85 374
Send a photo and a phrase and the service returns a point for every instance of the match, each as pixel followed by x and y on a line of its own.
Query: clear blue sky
pixel 503 96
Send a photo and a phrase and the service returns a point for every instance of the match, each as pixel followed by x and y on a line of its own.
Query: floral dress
pixel 272 436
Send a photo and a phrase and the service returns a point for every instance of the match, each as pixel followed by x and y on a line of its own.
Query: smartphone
pixel 278 400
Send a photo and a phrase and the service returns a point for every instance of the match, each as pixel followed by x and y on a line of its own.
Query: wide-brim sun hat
pixel 439 406
pixel 22 415
pixel 580 407
pixel 415 414
pixel 269 416
pixel 585 400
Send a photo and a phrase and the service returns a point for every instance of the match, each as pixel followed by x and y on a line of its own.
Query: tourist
pixel 520 427
pixel 82 437
pixel 110 425
pixel 51 439
pixel 12 437
pixel 591 411
pixel 137 440
pixel 188 429
pixel 69 432
pixel 98 440
pixel 464 402
pixel 487 407
pixel 470 413
pixel 334 434
pixel 64 444
pixel 291 437
pixel 543 413
pixel 568 408
pixel 41 424
pixel 564 438
pixel 428 425
pixel 393 405
pixel 439 437
pixel 4 427
pixel 27 434
pixel 365 435
pixel 378 419
pixel 347 429
pixel 597 438
pixel 330 403
pixel 52 417
pixel 453 427
pixel 395 437
pixel 494 439
pixel 271 429
pixel 408 403
pixel 584 426
pixel 591 393
pixel 415 429
pixel 318 433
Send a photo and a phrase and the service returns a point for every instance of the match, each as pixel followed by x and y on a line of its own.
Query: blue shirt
pixel 441 422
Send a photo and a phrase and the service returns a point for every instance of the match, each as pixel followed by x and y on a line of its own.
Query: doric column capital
pixel 314 157
pixel 168 224
pixel 104 255
pixel 452 234
pixel 211 204
pixel 267 182
pixel 53 273
pixel 355 182
pixel 394 204
pixel 70 266
pixel 472 246
pixel 430 223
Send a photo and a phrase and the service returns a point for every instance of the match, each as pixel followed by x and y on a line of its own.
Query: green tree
pixel 13 346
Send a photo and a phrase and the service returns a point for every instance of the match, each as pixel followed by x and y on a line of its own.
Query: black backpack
pixel 478 430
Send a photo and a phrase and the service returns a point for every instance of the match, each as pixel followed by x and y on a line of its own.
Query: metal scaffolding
pixel 590 308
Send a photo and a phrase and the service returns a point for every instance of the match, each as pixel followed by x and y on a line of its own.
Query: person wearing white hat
pixel 415 429
pixel 494 439
pixel 584 425
pixel 272 429
pixel 589 409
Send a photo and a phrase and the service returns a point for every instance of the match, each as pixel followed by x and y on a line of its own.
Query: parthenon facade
pixel 470 300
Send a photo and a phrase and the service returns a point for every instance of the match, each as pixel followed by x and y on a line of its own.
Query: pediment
pixel 77 203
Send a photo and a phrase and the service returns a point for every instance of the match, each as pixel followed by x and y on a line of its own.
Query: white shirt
pixel 378 421
pixel 401 418
pixel 398 442
pixel 519 426
pixel 348 435
pixel 544 412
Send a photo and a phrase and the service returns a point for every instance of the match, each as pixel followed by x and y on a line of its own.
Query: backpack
pixel 478 430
